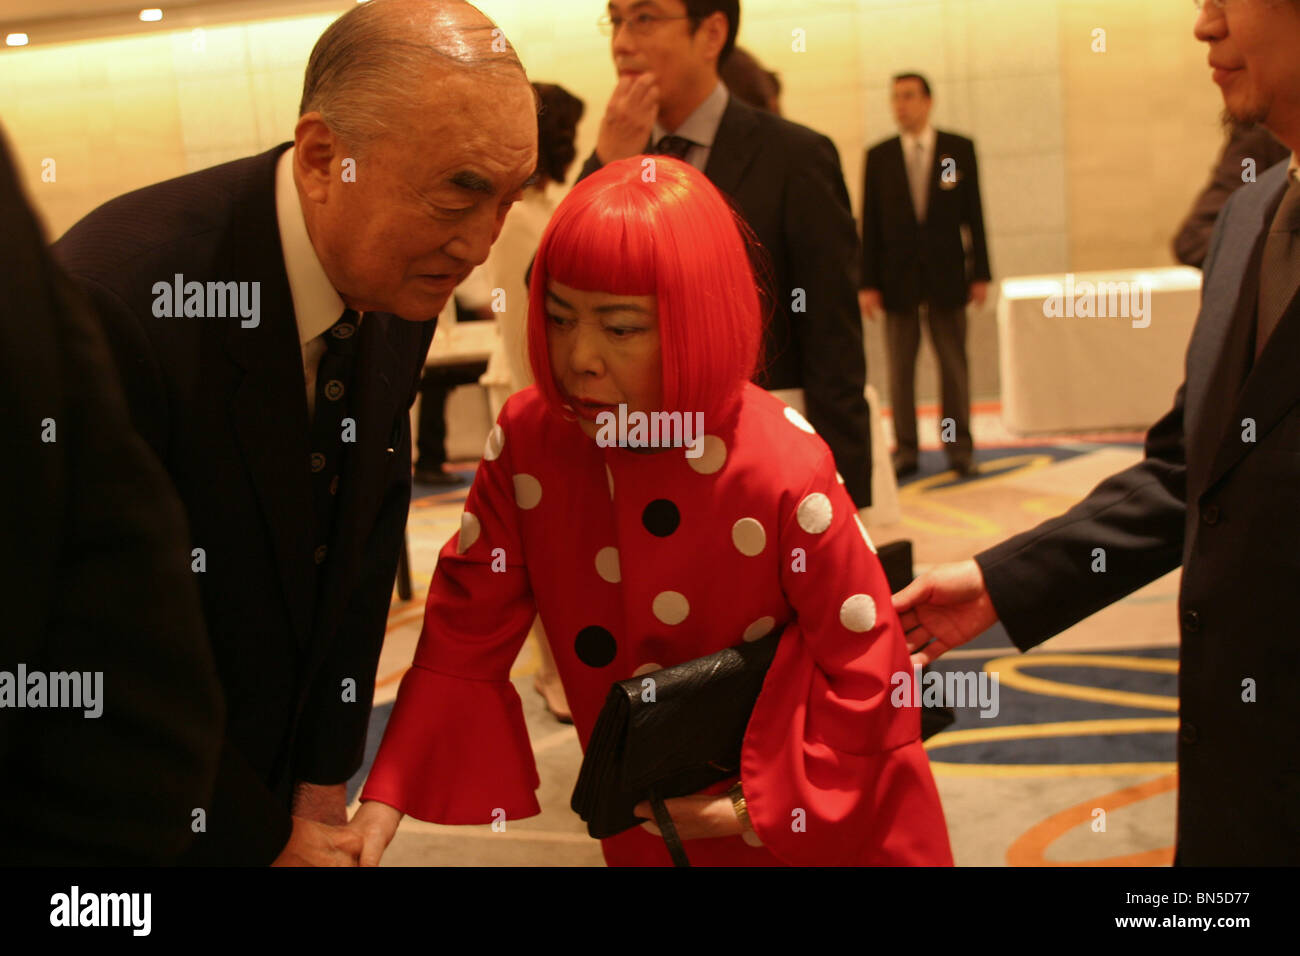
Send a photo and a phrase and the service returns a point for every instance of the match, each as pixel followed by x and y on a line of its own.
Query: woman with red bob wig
pixel 644 547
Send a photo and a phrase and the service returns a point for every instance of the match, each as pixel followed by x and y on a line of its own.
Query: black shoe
pixel 965 469
pixel 904 467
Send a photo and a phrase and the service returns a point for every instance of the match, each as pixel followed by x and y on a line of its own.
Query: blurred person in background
pixel 508 370
pixel 1246 141
pixel 920 190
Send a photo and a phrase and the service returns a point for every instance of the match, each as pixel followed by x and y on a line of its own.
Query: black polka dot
pixel 595 646
pixel 661 517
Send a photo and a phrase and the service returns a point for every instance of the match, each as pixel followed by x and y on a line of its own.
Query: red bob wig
pixel 653 225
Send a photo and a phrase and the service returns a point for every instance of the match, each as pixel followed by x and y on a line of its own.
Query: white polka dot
pixel 760 628
pixel 712 458
pixel 839 477
pixel 528 491
pixel 496 440
pixel 610 475
pixel 469 531
pixel 815 513
pixel 798 420
pixel 865 537
pixel 749 537
pixel 670 607
pixel 646 669
pixel 750 837
pixel 607 565
pixel 858 613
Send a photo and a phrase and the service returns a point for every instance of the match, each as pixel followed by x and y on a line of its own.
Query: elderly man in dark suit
pixel 270 318
pixel 97 593
pixel 784 179
pixel 1215 493
pixel 920 190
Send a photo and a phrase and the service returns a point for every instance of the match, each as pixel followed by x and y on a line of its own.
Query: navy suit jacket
pixel 1215 493
pixel 225 409
pixel 785 180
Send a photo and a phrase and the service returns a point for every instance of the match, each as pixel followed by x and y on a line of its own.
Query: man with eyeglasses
pixel 1214 494
pixel 785 180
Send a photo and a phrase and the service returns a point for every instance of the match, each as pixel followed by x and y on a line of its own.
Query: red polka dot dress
pixel 638 560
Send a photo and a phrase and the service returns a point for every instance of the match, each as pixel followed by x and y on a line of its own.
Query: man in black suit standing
pixel 96 590
pixel 1215 493
pixel 270 318
pixel 786 182
pixel 919 190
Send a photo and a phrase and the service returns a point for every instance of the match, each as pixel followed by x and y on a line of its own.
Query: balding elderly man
pixel 270 318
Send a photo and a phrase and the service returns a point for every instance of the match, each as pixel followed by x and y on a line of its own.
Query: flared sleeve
pixel 833 772
pixel 456 748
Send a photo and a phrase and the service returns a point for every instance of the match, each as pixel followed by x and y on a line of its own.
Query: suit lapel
pixel 269 405
pixel 734 147
pixel 1270 390
pixel 898 157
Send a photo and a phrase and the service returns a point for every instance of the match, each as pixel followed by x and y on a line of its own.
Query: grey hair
pixel 365 64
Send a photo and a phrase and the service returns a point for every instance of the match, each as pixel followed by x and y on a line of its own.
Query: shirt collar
pixel 316 305
pixel 702 125
pixel 926 138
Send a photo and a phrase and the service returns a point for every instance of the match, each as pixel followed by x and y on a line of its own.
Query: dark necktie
pixel 674 146
pixel 1279 271
pixel 333 399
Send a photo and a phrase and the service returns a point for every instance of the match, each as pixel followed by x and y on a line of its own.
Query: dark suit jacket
pixel 225 409
pixel 785 180
pixel 1244 142
pixel 94 577
pixel 1225 509
pixel 910 262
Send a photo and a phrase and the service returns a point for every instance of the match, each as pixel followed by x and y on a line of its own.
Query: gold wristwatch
pixel 737 796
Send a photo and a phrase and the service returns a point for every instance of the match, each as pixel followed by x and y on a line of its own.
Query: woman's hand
pixel 376 823
pixel 697 816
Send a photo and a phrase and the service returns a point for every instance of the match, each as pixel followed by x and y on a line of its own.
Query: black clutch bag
pixel 670 733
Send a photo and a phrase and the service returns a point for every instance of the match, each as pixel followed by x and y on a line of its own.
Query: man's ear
pixel 315 147
pixel 715 28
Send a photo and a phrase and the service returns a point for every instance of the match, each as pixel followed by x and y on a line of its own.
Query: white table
pixel 1063 372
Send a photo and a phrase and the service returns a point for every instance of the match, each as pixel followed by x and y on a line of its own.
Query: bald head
pixel 374 64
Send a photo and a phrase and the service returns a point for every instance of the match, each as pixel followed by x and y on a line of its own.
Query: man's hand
pixel 948 604
pixel 697 816
pixel 979 291
pixel 629 118
pixel 375 823
pixel 323 803
pixel 870 304
pixel 318 844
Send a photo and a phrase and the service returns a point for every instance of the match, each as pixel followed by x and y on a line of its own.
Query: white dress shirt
pixel 316 304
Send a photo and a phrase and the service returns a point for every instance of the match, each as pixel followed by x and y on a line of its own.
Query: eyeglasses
pixel 640 24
